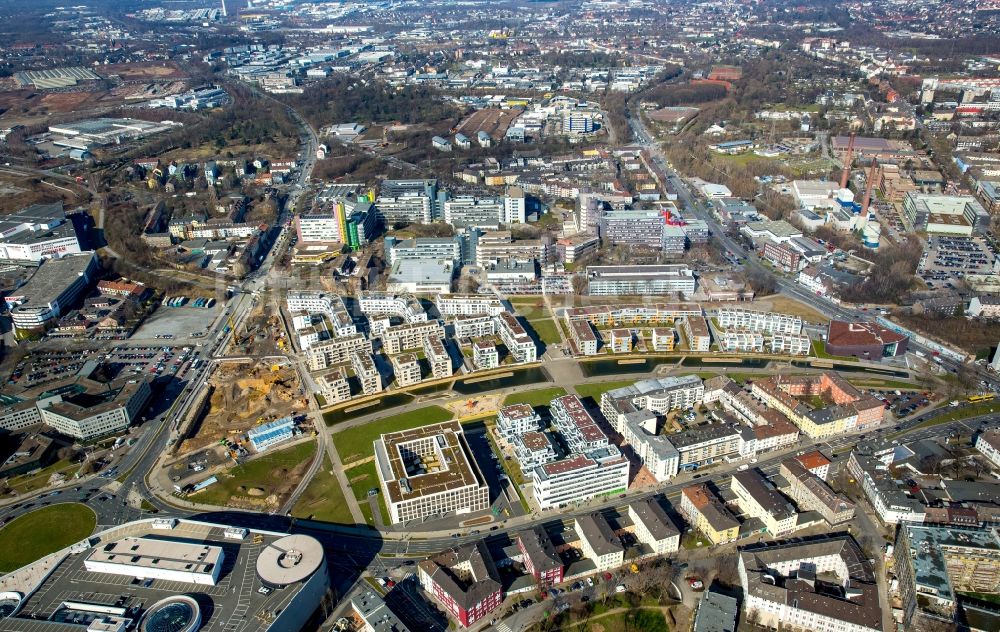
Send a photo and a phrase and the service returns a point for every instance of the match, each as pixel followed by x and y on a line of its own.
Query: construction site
pixel 261 333
pixel 240 395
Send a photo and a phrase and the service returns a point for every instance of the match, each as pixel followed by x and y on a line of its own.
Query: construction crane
pixel 845 175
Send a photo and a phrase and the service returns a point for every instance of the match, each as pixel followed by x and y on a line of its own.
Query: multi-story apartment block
pixel 438 357
pixel 664 338
pixel 658 395
pixel 891 504
pixel 815 462
pixel 468 305
pixel 988 444
pixel 516 339
pixel 657 453
pixel 653 527
pixel 696 331
pixel 763 322
pixel 517 419
pixel 706 513
pixel 534 448
pixel 539 556
pixel 583 337
pixel 704 445
pixel 640 280
pixel 429 471
pixel 620 340
pixel 632 315
pixel 780 587
pixel 400 338
pixel 849 409
pixel 598 541
pixel 336 351
pixel 580 477
pixel 317 317
pixel 934 563
pixel 578 429
pixel 406 369
pixel 474 326
pixel 790 344
pixel 742 341
pixel 367 373
pixel 381 304
pixel 758 497
pixel 464 580
pixel 484 355
pixel 811 493
pixel 334 386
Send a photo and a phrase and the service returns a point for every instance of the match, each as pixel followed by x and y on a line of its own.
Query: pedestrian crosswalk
pixel 502 627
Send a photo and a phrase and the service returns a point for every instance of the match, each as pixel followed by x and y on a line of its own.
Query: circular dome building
pixel 178 613
pixel 289 560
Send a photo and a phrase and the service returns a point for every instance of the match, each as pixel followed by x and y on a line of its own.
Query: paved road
pixel 787 287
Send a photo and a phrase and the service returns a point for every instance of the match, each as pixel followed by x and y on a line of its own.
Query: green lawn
pixel 537 397
pixel 357 443
pixel 323 500
pixel 819 350
pixel 547 330
pixel 363 478
pixel 265 472
pixel 27 483
pixel 962 412
pixel 600 388
pixel 531 308
pixel 43 531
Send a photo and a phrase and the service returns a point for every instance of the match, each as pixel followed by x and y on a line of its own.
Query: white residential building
pixel 380 304
pixel 764 322
pixel 514 208
pixel 758 497
pixel 791 344
pixel 474 326
pixel 400 338
pixel 468 305
pixel 406 369
pixel 517 419
pixel 367 373
pixel 518 342
pixel 438 357
pixel 653 527
pixel 988 443
pixel 484 355
pixel 742 341
pixel 598 542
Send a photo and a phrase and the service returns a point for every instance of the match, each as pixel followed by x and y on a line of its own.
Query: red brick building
pixel 539 556
pixel 464 580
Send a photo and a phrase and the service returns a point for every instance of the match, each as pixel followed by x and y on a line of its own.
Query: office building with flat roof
pixel 580 477
pixel 50 291
pixel 428 472
pixel 640 280
pixel 36 232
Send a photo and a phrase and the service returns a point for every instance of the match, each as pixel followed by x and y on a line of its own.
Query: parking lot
pixel 177 323
pixel 42 367
pixel 946 258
